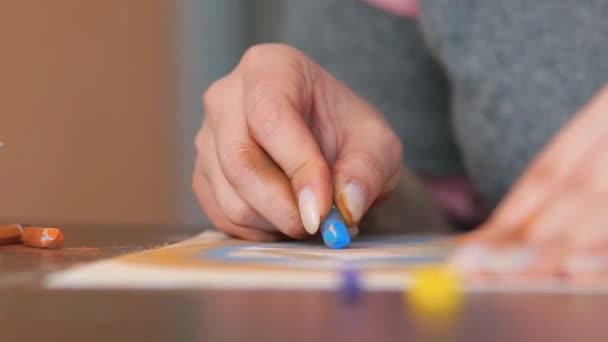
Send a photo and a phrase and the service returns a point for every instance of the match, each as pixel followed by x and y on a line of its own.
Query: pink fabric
pixel 402 8
pixel 458 199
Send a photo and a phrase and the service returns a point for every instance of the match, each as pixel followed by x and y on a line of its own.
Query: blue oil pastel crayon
pixel 334 231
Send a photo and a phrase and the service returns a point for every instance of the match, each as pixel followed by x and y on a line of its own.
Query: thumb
pixel 368 166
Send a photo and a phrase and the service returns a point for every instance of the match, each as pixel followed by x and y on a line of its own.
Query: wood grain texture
pixel 258 315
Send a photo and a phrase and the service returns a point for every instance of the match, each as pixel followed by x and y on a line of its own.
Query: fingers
pixel 249 170
pixel 366 168
pixel 553 223
pixel 569 239
pixel 233 208
pixel 365 153
pixel 278 122
pixel 587 252
pixel 578 248
pixel 277 102
pixel 555 165
pixel 346 132
pixel 572 224
pixel 217 217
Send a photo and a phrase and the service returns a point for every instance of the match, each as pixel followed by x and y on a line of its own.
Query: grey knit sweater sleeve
pixel 518 70
pixel 384 60
pixel 478 86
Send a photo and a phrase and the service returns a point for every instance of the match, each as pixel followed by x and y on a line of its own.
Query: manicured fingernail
pixel 470 258
pixel 354 198
pixel 353 231
pixel 584 264
pixel 511 260
pixel 309 210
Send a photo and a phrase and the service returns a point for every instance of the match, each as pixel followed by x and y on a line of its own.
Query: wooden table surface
pixel 29 312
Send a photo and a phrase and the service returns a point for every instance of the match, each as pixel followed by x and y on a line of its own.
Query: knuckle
pixel 263 115
pixel 200 141
pixel 255 55
pixel 373 164
pixel 203 198
pixel 231 157
pixel 198 169
pixel 205 152
pixel 283 63
pixel 213 94
pixel 237 211
pixel 375 174
pixel 196 186
pixel 199 176
pixel 260 53
pixel 388 143
pixel 236 162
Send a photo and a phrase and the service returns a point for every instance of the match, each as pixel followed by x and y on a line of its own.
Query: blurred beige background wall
pixel 87 111
pixel 100 102
pixel 213 36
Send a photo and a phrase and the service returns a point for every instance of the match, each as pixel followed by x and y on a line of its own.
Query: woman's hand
pixel 282 137
pixel 555 220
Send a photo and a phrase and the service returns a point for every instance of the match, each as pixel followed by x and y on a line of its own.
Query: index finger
pixel 278 84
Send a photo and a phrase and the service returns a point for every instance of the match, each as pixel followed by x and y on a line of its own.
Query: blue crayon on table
pixel 334 231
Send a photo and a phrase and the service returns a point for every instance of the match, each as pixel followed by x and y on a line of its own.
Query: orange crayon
pixel 10 233
pixel 42 237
